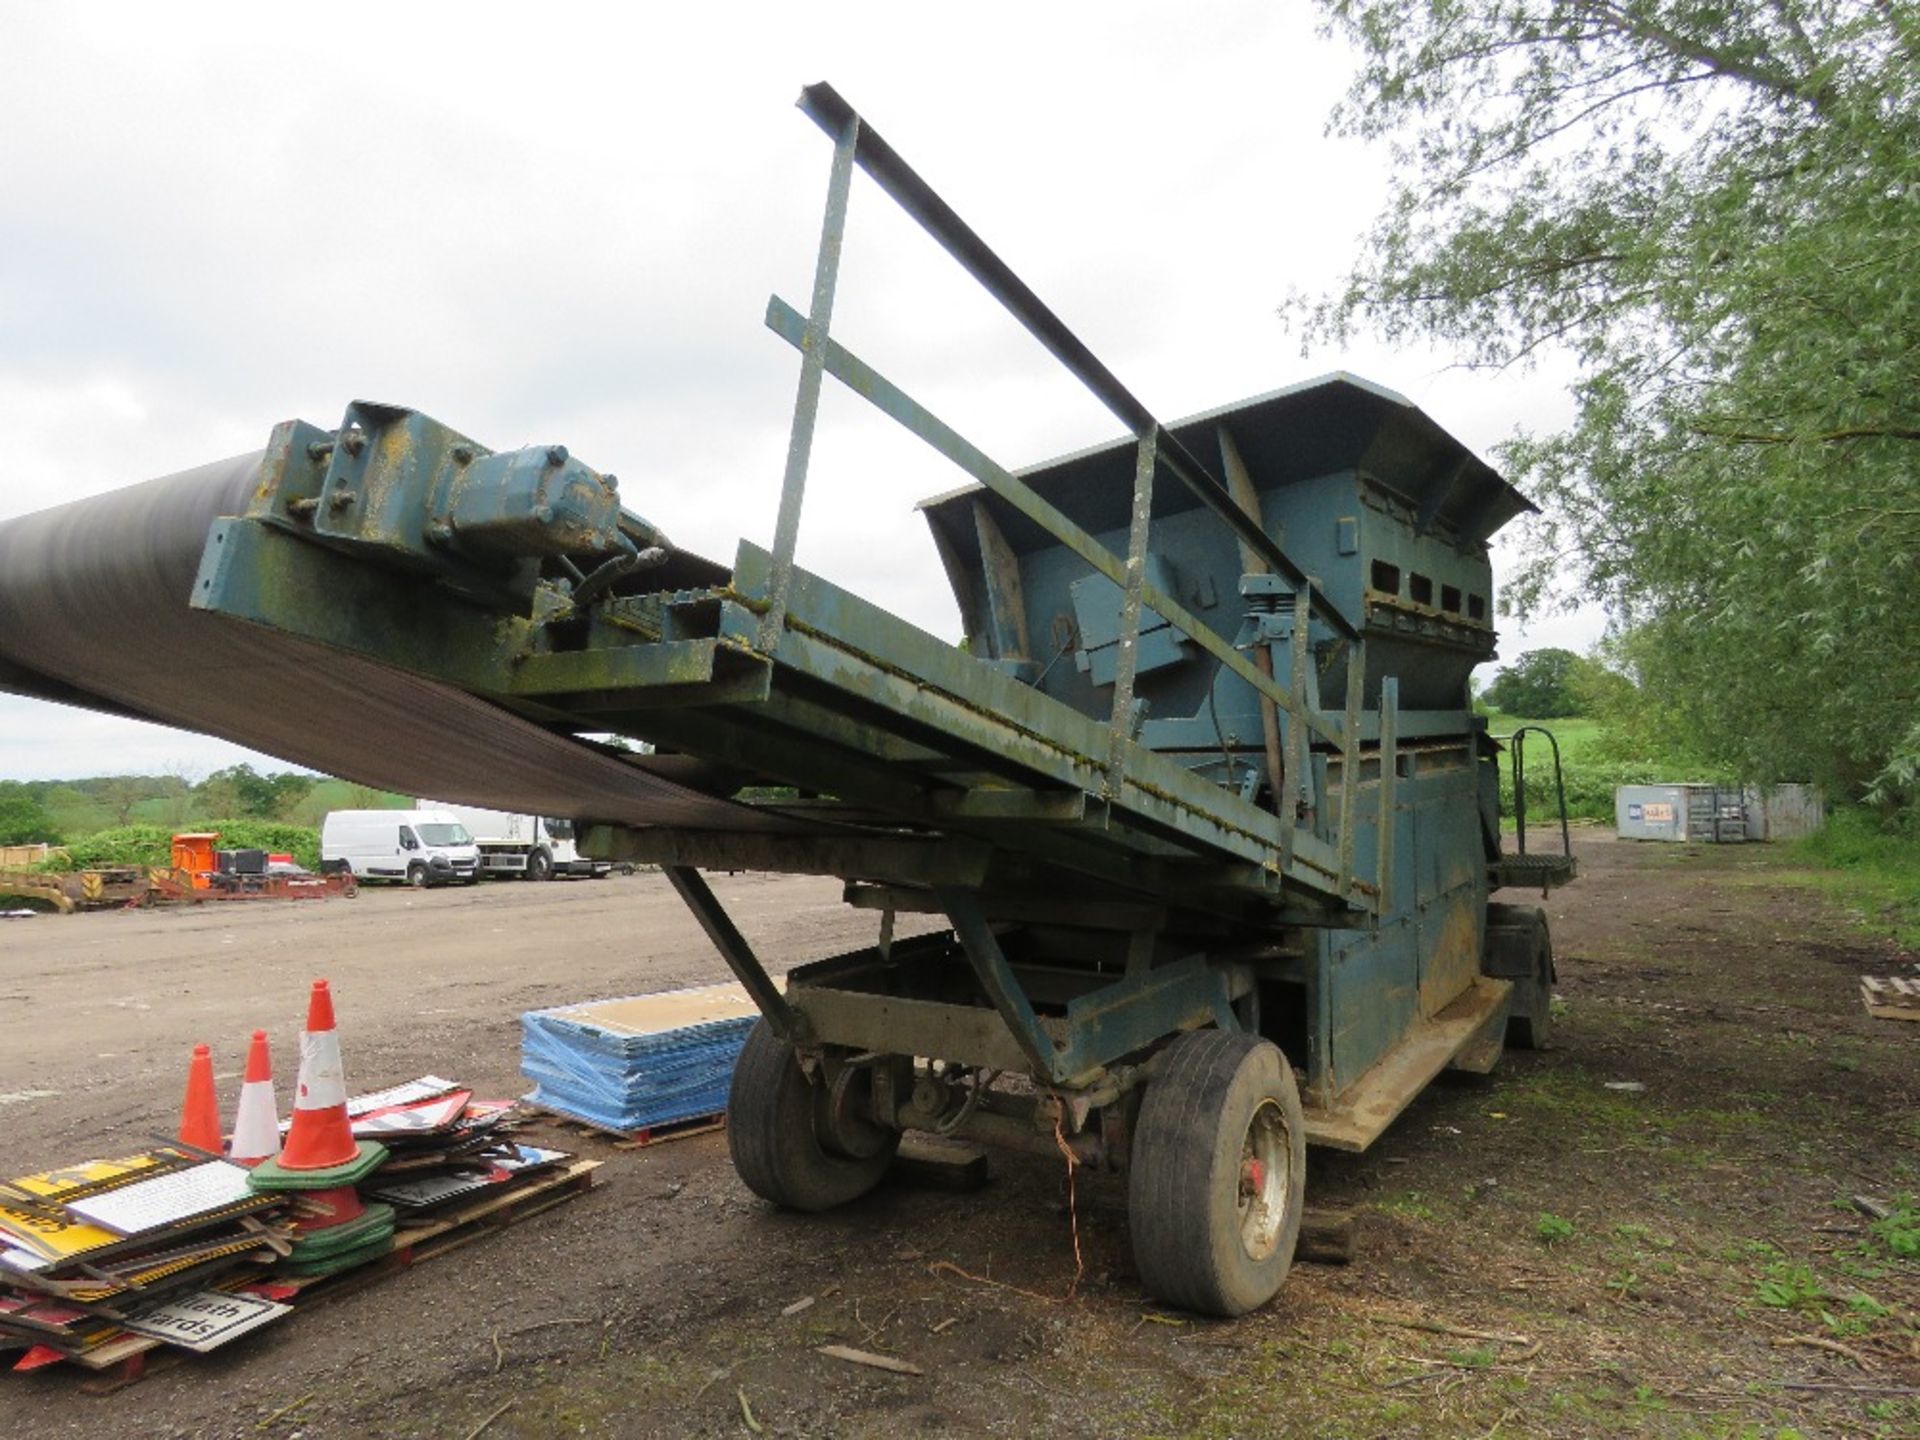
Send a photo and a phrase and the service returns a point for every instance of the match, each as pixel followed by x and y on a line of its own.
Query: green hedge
pixel 153 844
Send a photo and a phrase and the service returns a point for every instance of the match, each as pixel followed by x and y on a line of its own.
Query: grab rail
pixel 1518 739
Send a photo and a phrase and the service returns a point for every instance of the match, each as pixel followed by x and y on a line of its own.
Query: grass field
pixel 1591 773
pixel 1577 735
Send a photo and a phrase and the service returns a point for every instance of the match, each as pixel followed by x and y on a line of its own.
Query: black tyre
pixel 1218 1174
pixel 772 1137
pixel 539 866
pixel 417 875
pixel 1530 1008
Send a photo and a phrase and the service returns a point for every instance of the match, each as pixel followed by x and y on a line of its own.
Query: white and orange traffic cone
pixel 256 1123
pixel 319 1151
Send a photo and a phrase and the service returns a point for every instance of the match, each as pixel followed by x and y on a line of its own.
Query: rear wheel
pixel 1530 1008
pixel 775 1117
pixel 1217 1174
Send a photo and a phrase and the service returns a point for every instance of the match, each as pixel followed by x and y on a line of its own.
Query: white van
pixel 531 845
pixel 420 847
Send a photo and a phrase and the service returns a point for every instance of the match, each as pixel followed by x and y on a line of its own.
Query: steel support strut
pixel 996 977
pixel 1146 1005
pixel 1389 776
pixel 1248 498
pixel 806 404
pixel 733 948
pixel 1127 667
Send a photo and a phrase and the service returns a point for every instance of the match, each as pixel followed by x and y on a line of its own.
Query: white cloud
pixel 57 742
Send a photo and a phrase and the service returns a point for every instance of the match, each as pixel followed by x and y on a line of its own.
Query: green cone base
pixel 378 1246
pixel 376 1224
pixel 270 1175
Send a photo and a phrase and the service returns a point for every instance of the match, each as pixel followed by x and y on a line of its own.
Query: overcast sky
pixel 562 223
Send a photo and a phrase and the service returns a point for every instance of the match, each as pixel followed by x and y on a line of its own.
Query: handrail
pixel 856 143
pixel 1518 739
pixel 864 380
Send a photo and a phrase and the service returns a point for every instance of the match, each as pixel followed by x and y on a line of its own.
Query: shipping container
pixel 1689 811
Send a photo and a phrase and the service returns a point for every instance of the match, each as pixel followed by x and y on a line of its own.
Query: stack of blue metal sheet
pixel 638 1062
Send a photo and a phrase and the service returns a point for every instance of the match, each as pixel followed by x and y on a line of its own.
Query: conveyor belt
pixel 93 612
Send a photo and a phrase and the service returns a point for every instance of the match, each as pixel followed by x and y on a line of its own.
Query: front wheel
pixel 417 875
pixel 539 866
pixel 772 1117
pixel 1218 1174
pixel 1530 1009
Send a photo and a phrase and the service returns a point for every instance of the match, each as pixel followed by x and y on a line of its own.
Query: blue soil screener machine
pixel 1202 807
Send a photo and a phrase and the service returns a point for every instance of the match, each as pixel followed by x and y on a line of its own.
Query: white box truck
pixel 533 846
pixel 428 846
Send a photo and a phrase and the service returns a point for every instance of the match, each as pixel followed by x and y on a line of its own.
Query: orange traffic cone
pixel 320 1151
pixel 256 1123
pixel 321 1136
pixel 324 1209
pixel 200 1115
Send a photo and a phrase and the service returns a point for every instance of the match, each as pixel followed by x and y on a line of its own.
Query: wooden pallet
pixel 638 1139
pixel 120 1363
pixel 1890 999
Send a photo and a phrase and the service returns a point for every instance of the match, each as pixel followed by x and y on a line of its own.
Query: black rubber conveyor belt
pixel 93 612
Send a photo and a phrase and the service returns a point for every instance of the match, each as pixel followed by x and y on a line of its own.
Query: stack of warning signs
pixel 104 1260
pixel 185 1246
pixel 92 1249
pixel 637 1063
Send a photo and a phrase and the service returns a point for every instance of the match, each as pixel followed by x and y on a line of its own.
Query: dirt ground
pixel 1645 1230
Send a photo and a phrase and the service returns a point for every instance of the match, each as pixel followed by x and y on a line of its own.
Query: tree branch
pixel 1823 437
pixel 1769 78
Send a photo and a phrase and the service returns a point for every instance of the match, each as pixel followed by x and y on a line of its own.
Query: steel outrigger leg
pixel 733 948
pixel 996 977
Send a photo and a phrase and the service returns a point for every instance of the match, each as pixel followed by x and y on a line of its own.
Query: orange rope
pixel 1073 1204
pixel 947 1267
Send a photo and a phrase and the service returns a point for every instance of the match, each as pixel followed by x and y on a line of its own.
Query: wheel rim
pixel 1264 1181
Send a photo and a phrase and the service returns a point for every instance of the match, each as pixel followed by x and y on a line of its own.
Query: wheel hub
pixel 1265 1165
pixel 842 1122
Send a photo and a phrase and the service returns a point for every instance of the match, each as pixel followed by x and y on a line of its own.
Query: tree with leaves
pixel 1537 686
pixel 1714 209
pixel 241 791
pixel 23 819
pixel 121 793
